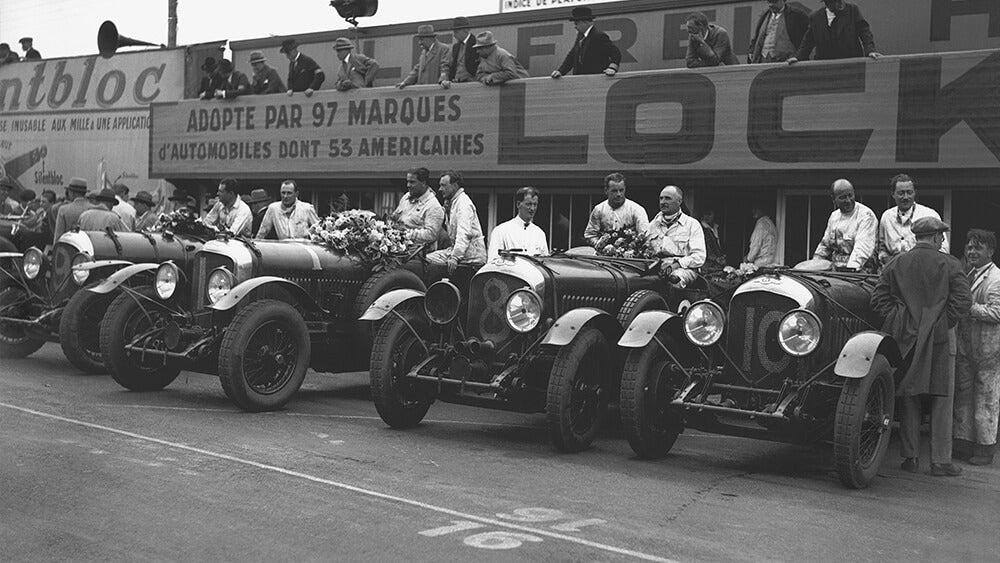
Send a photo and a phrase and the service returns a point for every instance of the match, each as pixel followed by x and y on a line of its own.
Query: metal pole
pixel 171 23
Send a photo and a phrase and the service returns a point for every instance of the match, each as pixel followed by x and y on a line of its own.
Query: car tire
pixel 639 301
pixel 80 342
pixel 577 393
pixel 862 426
pixel 374 287
pixel 395 350
pixel 264 355
pixel 125 318
pixel 646 391
pixel 15 341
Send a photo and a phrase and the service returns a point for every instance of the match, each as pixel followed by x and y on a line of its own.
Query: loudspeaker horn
pixel 109 40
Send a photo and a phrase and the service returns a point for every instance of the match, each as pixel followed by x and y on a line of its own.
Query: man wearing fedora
pixel 496 65
pixel 432 66
pixel 265 78
pixel 69 213
pixel 258 200
pixel 356 70
pixel 464 60
pixel 922 294
pixel 146 217
pixel 229 83
pixel 593 52
pixel 102 217
pixel 205 91
pixel 304 75
pixel 180 199
pixel 30 53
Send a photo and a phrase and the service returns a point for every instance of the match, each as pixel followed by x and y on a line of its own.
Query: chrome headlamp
pixel 166 280
pixel 220 283
pixel 524 310
pixel 799 332
pixel 442 301
pixel 703 323
pixel 32 262
pixel 80 277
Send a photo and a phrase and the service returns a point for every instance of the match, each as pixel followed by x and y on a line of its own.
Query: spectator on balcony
pixel 304 75
pixel 146 216
pixel 837 31
pixel 30 53
pixel 265 78
pixel 593 51
pixel 229 83
pixel 102 217
pixel 230 213
pixel 496 65
pixel 778 33
pixel 69 213
pixel 615 213
pixel 520 233
pixel 922 294
pixel 708 44
pixel 464 60
pixel 461 220
pixel 432 66
pixel 7 56
pixel 894 228
pixel 356 70
pixel 763 240
pixel 290 218
pixel 977 376
pixel 851 232
pixel 419 211
pixel 208 68
pixel 123 208
pixel 677 239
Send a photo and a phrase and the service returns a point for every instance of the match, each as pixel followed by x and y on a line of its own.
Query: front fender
pixel 98 264
pixel 570 324
pixel 115 280
pixel 389 301
pixel 859 353
pixel 241 291
pixel 645 326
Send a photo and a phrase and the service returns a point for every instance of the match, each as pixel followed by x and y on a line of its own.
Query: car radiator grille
pixel 204 264
pixel 487 299
pixel 62 259
pixel 752 338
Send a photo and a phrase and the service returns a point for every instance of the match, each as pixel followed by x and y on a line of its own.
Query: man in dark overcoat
pixel 837 31
pixel 922 294
pixel 593 52
pixel 304 75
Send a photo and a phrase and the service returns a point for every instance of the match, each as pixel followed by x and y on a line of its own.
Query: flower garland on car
pixel 735 275
pixel 379 243
pixel 623 243
pixel 183 222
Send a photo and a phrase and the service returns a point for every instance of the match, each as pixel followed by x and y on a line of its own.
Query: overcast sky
pixel 64 28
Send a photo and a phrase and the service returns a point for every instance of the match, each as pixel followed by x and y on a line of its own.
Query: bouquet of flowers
pixel 183 222
pixel 623 243
pixel 737 275
pixel 378 243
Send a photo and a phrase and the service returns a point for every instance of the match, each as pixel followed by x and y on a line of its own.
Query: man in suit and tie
pixel 432 67
pixel 304 75
pixel 229 83
pixel 464 60
pixel 265 79
pixel 837 31
pixel 356 70
pixel 593 52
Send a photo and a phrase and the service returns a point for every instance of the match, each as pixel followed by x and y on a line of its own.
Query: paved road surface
pixel 89 471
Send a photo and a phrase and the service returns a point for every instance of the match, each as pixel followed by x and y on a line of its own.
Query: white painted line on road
pixel 199 409
pixel 347 487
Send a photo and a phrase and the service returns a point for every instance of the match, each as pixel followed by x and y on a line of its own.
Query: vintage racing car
pixel 793 356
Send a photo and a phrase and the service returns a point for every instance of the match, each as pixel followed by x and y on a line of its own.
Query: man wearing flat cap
pixel 464 60
pixel 496 65
pixel 146 216
pixel 922 294
pixel 30 53
pixel 7 56
pixel 304 75
pixel 356 70
pixel 102 217
pixel 229 83
pixel 593 52
pixel 69 213
pixel 208 68
pixel 265 78
pixel 432 66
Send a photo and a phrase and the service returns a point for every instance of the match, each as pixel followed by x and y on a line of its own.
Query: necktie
pixel 579 47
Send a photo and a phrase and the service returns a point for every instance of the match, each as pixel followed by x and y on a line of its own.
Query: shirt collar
pixel 587 33
pixel 903 217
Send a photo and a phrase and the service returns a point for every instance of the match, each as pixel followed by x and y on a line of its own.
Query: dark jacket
pixel 796 24
pixel 850 35
pixel 268 82
pixel 205 88
pixel 592 54
pixel 715 50
pixel 471 61
pixel 236 85
pixel 304 74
